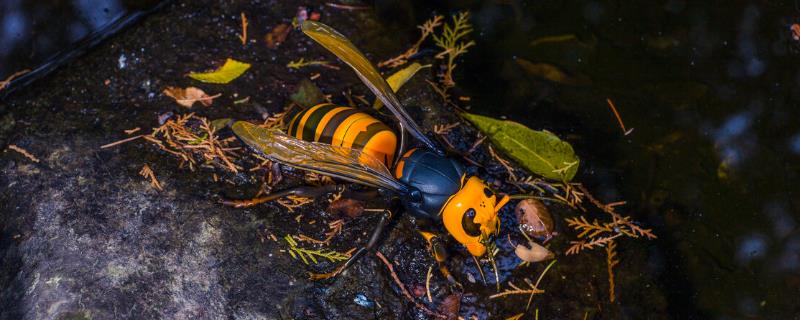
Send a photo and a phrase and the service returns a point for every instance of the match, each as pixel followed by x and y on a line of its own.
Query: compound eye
pixel 468 223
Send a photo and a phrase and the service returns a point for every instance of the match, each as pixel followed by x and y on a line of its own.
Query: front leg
pixel 439 253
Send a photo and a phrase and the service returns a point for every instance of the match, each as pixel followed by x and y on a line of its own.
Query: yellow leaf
pixel 399 78
pixel 231 70
pixel 187 97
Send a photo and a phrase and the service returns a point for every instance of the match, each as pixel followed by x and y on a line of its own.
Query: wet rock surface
pixel 84 236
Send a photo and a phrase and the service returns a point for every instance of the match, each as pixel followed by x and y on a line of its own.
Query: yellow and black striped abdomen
pixel 345 127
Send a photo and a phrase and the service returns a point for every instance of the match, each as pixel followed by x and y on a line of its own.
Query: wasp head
pixel 470 215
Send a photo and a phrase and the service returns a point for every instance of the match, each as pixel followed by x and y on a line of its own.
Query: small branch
pixel 23 152
pixel 106 146
pixel 611 261
pixel 4 83
pixel 243 36
pixel 345 6
pixel 619 119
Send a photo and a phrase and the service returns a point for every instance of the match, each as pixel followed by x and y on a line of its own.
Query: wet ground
pixel 711 165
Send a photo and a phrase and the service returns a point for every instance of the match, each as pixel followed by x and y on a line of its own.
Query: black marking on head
pixel 468 223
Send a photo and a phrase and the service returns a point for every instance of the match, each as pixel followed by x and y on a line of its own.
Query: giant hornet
pixel 351 145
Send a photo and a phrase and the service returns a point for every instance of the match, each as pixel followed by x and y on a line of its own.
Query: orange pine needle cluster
pixel 23 152
pixel 611 261
pixel 193 139
pixel 148 173
pixel 426 29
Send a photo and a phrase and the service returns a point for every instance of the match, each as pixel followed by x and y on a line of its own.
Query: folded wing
pixel 339 45
pixel 344 163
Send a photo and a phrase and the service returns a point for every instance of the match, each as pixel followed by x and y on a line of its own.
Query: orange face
pixel 470 215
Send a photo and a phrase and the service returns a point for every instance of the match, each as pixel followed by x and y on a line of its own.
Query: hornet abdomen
pixel 436 177
pixel 345 127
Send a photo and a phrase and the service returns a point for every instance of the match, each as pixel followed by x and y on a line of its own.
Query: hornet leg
pixel 376 234
pixel 439 254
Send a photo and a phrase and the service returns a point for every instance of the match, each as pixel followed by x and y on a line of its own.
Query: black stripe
pixel 363 137
pixel 293 127
pixel 333 124
pixel 310 127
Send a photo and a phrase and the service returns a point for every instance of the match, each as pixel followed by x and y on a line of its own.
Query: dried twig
pixel 4 83
pixel 517 290
pixel 611 261
pixel 426 29
pixel 243 36
pixel 444 128
pixel 505 163
pixel 403 288
pixel 105 146
pixel 619 119
pixel 428 283
pixel 23 152
pixel 292 202
pixel 346 6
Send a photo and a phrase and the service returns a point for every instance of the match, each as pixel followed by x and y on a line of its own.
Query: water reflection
pixel 713 163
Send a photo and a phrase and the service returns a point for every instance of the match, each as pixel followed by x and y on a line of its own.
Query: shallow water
pixel 709 90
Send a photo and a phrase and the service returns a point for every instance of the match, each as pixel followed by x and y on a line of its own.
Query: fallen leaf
pixel 399 78
pixel 535 253
pixel 307 94
pixel 229 71
pixel 219 124
pixel 540 152
pixel 450 306
pixel 534 219
pixel 552 73
pixel 277 35
pixel 187 97
pixel 349 207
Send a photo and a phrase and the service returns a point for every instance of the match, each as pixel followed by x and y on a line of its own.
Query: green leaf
pixel 541 152
pixel 219 124
pixel 399 78
pixel 229 71
pixel 308 94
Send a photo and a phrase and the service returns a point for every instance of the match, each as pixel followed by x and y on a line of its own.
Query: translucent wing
pixel 342 47
pixel 345 163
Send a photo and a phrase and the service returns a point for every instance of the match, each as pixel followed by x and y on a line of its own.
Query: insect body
pixel 351 145
pixel 345 127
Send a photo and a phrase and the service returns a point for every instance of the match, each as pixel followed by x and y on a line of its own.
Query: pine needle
pixel 23 152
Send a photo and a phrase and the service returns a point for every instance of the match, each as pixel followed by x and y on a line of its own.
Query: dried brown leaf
pixel 187 97
pixel 349 207
pixel 278 34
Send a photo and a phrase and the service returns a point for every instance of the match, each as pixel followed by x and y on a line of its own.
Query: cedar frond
pixel 426 29
pixel 307 255
pixel 611 261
